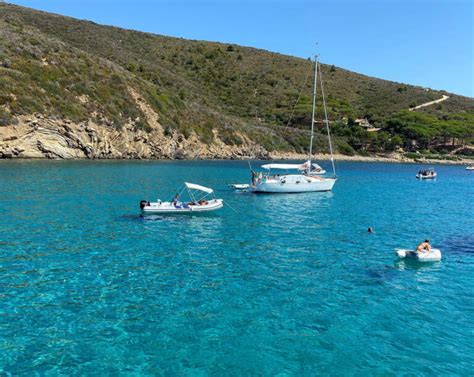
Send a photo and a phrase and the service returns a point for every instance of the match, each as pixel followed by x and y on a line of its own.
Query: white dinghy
pixel 427 174
pixel 239 186
pixel 316 170
pixel 200 202
pixel 433 255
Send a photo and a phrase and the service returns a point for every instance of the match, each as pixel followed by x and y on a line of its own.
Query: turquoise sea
pixel 275 285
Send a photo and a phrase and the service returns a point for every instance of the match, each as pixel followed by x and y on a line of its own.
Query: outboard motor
pixel 144 203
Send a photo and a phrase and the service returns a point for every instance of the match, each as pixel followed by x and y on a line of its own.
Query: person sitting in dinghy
pixel 424 246
pixel 175 200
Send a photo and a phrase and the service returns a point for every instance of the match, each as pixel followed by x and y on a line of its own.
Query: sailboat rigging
pixel 308 176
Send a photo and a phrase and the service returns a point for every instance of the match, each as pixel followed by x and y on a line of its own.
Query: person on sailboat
pixel 424 246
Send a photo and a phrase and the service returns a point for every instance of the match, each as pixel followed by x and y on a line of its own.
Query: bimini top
pixel 198 187
pixel 304 166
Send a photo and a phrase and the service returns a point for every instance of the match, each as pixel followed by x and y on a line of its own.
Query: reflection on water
pixel 302 201
pixel 413 264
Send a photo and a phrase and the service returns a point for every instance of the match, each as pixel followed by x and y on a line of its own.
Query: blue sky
pixel 420 42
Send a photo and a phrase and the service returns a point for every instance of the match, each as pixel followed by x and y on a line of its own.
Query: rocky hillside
pixel 75 89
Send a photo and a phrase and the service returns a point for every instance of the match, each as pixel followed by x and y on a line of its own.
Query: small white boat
pixel 433 255
pixel 470 167
pixel 198 202
pixel 316 170
pixel 426 174
pixel 239 186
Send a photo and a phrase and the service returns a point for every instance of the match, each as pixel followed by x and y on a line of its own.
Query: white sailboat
pixel 306 177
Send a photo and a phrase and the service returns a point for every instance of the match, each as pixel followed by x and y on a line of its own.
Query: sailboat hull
pixel 293 184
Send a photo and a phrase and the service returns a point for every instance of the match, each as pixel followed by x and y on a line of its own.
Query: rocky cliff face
pixel 41 137
pixel 38 136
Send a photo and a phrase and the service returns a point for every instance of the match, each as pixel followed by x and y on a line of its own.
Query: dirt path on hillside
pixel 444 98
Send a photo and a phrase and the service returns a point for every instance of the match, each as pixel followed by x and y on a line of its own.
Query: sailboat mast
pixel 327 121
pixel 314 109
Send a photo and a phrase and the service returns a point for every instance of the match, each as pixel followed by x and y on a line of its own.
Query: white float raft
pixel 422 256
pixel 239 186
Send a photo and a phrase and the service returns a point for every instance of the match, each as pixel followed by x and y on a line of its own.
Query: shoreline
pixel 394 158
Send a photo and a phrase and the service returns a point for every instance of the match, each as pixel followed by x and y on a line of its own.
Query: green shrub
pixel 229 137
pixel 168 131
pixel 205 133
pixel 143 125
pixel 344 148
pixel 411 155
pixel 185 131
pixel 5 118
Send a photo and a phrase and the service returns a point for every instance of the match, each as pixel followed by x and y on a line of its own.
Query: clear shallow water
pixel 287 285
